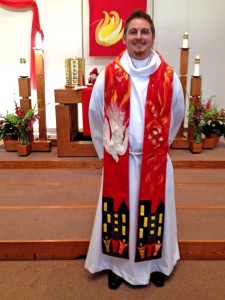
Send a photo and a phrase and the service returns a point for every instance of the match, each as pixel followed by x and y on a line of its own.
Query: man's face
pixel 139 39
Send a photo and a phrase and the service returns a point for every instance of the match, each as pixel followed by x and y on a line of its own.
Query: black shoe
pixel 114 281
pixel 157 278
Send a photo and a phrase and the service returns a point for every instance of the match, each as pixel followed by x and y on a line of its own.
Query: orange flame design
pixel 109 30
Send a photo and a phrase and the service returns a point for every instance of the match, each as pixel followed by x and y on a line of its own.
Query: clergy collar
pixel 138 64
pixel 148 68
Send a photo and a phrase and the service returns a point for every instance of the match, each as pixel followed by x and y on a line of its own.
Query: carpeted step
pixel 81 187
pixel 70 223
pixel 49 213
pixel 64 233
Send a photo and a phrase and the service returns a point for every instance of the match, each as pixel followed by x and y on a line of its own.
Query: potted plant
pixel 196 112
pixel 8 130
pixel 215 126
pixel 206 119
pixel 18 125
pixel 214 123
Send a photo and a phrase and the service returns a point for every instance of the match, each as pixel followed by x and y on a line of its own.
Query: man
pixel 135 111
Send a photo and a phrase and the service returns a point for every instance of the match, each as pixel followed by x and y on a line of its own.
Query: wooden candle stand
pixel 41 144
pixel 25 104
pixel 195 93
pixel 181 142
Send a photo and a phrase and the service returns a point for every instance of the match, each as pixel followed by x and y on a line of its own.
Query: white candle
pixel 38 41
pixel 23 69
pixel 185 40
pixel 197 66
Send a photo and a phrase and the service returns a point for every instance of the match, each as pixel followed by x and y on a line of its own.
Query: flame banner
pixel 107 18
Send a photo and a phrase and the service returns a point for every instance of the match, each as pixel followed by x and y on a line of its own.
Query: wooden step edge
pixel 43 249
pixel 198 249
pixel 97 164
pixel 71 249
pixel 54 164
pixel 198 164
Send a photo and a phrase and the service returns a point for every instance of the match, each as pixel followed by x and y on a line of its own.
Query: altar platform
pixel 48 203
pixel 181 158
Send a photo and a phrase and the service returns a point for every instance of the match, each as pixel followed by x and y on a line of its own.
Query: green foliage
pixel 8 127
pixel 206 114
pixel 11 123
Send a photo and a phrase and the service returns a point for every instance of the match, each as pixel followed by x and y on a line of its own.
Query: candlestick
pixel 197 66
pixel 185 40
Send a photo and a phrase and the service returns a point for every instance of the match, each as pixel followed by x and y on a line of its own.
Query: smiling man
pixel 135 111
pixel 139 35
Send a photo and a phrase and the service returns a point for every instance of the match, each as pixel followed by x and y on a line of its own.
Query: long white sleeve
pixel 96 114
pixel 177 110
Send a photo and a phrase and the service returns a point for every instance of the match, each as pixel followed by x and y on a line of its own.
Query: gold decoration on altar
pixel 75 71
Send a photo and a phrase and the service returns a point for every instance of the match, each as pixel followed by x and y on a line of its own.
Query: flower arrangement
pixel 215 123
pixel 206 118
pixel 18 124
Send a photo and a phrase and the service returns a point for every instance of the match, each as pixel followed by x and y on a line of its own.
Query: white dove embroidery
pixel 115 127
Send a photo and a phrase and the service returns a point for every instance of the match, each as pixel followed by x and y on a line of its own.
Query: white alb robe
pixel 135 273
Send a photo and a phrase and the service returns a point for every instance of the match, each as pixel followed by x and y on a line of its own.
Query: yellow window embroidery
pixel 105 206
pixel 123 230
pixel 159 231
pixel 123 218
pixel 145 223
pixel 104 227
pixel 108 218
pixel 160 218
pixel 142 210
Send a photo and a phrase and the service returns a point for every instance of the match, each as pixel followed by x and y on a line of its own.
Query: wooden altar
pixel 70 141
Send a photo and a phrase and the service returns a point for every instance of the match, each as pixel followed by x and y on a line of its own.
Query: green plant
pixel 12 124
pixel 8 128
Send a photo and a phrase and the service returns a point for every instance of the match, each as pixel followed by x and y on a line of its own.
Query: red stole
pixel 115 206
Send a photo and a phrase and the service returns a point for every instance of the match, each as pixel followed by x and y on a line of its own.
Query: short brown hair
pixel 139 14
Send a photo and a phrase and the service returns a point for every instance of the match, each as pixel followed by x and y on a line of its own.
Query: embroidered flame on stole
pixel 115 200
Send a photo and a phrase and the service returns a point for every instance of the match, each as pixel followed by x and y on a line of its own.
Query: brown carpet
pixel 68 280
pixel 53 204
pixel 60 204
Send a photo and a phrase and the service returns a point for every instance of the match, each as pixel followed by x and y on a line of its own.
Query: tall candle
pixel 197 66
pixel 38 41
pixel 23 69
pixel 185 40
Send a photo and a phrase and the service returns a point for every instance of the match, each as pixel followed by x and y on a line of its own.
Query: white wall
pixel 15 43
pixel 65 26
pixel 61 22
pixel 204 21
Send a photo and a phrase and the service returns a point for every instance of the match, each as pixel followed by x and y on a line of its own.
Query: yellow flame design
pixel 109 30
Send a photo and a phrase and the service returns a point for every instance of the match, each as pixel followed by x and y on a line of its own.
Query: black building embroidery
pixel 115 228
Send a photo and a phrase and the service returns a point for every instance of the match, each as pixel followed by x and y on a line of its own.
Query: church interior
pixel 50 184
